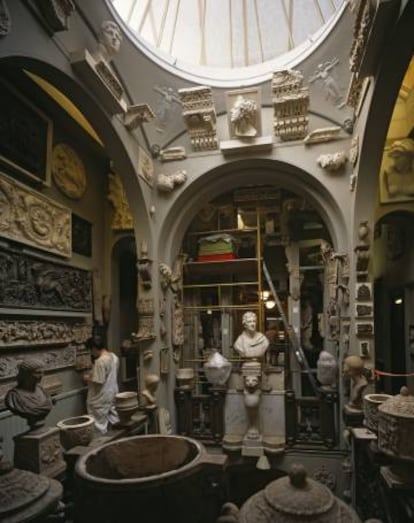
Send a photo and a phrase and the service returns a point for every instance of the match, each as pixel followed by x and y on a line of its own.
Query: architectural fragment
pixel 332 162
pixel 199 116
pixel 325 134
pixel 145 166
pixel 172 153
pixel 31 218
pixel 290 105
pixel 122 217
pixel 168 182
pixel 137 115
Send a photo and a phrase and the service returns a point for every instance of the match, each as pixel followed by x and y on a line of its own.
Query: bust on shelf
pixel 251 343
pixel 28 399
pixel 354 369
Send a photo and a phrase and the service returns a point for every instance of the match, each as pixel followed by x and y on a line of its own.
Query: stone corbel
pixel 136 115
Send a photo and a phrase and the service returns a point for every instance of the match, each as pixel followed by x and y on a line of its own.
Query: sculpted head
pixel 30 373
pixel 110 38
pixel 249 321
pixel 353 366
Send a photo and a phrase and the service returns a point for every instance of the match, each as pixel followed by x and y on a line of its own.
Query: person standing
pixel 102 385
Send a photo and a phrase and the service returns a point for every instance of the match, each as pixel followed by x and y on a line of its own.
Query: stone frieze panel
pixel 56 358
pixel 14 333
pixel 30 282
pixel 29 217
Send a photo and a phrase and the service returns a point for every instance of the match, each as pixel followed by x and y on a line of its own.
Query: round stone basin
pixel 147 478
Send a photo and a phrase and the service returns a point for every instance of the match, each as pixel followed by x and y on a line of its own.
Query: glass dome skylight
pixel 227 41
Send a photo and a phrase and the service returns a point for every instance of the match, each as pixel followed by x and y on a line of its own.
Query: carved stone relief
pixel 332 162
pixel 199 116
pixel 244 113
pixel 290 105
pixel 146 329
pixel 51 359
pixel 5 19
pixel 56 13
pixel 15 333
pixel 165 105
pixel 28 281
pixel 364 14
pixel 330 87
pixel 31 218
pixel 68 171
pixel 83 358
pixel 122 218
pixel 168 182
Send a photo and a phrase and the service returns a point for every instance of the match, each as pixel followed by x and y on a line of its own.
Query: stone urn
pixel 395 434
pixel 370 404
pixel 126 404
pixel 76 431
pixel 217 369
pixel 185 377
pixel 296 498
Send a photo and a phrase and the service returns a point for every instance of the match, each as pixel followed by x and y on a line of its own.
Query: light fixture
pixel 269 304
pixel 398 301
pixel 264 295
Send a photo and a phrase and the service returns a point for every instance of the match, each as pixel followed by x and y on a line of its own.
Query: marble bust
pixel 251 343
pixel 28 399
pixel 110 39
pixel 354 369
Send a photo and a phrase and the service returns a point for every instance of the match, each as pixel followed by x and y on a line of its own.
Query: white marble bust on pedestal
pixel 251 343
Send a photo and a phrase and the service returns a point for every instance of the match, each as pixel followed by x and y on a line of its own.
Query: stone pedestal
pixel 40 452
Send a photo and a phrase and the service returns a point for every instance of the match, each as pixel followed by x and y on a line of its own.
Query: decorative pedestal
pixel 40 452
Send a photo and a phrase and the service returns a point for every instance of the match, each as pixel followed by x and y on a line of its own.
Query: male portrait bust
pixel 110 39
pixel 251 343
pixel 28 399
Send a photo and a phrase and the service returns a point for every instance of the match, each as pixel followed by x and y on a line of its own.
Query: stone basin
pixel 153 478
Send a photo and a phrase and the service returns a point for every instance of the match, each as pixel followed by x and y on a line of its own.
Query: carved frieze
pixel 31 218
pixel 42 332
pixel 57 358
pixel 68 171
pixel 290 105
pixel 199 115
pixel 28 281
pixel 122 218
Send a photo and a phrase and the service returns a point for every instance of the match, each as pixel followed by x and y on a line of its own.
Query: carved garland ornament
pixel 31 218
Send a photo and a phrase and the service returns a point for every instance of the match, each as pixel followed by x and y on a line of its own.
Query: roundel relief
pixel 68 171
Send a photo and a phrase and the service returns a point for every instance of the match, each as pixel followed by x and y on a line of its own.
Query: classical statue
pixel 110 39
pixel 28 399
pixel 251 343
pixel 353 368
pixel 243 116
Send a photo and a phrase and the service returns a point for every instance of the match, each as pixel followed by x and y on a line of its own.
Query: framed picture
pixel 363 291
pixel 365 348
pixel 81 236
pixel 364 329
pixel 397 172
pixel 26 135
pixel 364 310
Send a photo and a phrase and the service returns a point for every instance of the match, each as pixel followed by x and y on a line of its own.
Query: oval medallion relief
pixel 68 171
